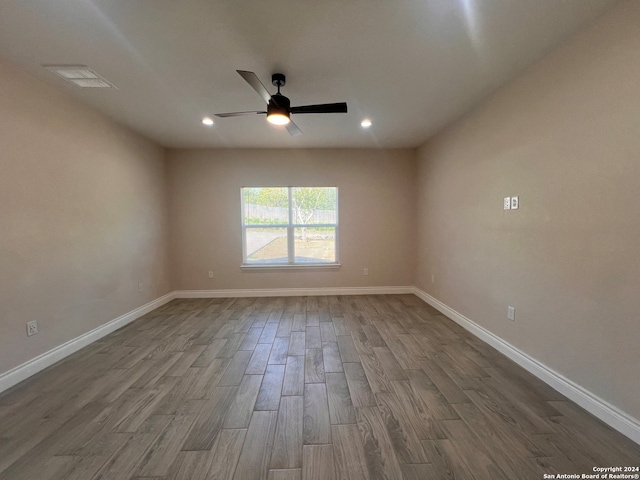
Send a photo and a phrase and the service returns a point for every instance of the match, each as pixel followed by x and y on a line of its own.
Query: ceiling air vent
pixel 80 75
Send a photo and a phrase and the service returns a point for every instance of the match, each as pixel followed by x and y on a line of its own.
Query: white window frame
pixel 290 226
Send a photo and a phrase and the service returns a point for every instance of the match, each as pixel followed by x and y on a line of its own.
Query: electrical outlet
pixel 210 274
pixel 511 313
pixel 507 203
pixel 433 278
pixel 514 202
pixel 140 287
pixel 365 272
pixel 32 328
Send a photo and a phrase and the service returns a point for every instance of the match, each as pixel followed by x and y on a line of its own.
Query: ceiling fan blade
pixel 253 80
pixel 237 114
pixel 322 108
pixel 293 129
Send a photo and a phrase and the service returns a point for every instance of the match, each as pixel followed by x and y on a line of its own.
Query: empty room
pixel 290 240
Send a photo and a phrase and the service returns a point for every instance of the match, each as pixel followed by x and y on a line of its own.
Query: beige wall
pixel 565 137
pixel 82 218
pixel 376 215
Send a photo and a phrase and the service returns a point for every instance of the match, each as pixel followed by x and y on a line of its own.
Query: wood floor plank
pixel 316 424
pixel 268 333
pixel 279 351
pixel 294 376
pixel 234 341
pixel 256 451
pixel 225 453
pixel 284 327
pixel 361 342
pixel 313 366
pixel 331 357
pixel 260 319
pixel 373 335
pixel 185 361
pixel 424 420
pixel 380 456
pixel 313 318
pixel 445 385
pixel 275 315
pixel 465 453
pixel 398 349
pixel 124 462
pixel 361 394
pixel 287 447
pixel 317 462
pixel 297 343
pixel 348 353
pixel 390 366
pixel 341 409
pixel 375 373
pixel 239 413
pixel 509 444
pixel 209 354
pixel 404 439
pixel 235 370
pixel 420 471
pixel 190 465
pixel 492 403
pixel 340 326
pixel 259 359
pixel 206 379
pixel 348 453
pixel 251 339
pixel 299 323
pixel 158 459
pixel 210 419
pixel 287 474
pixel 271 388
pixel 430 395
pixel 312 337
pixel 145 406
pixel 327 332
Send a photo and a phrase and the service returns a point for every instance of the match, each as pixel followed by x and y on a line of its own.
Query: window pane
pixel 265 206
pixel 313 205
pixel 315 244
pixel 266 245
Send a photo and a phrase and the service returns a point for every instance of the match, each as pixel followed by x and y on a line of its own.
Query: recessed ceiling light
pixel 366 123
pixel 208 121
pixel 80 75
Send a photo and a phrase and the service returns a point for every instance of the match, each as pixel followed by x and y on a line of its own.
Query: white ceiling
pixel 411 66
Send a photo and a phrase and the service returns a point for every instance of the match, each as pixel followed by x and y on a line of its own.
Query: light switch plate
pixel 507 203
pixel 511 313
pixel 514 202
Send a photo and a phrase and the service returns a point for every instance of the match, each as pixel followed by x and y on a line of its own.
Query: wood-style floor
pixel 353 387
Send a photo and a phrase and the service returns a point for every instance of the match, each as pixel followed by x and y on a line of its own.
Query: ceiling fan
pixel 279 107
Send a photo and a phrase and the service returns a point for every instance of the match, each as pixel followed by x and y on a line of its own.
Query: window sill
pixel 308 266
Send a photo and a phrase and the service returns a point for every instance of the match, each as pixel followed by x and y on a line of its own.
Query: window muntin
pixel 289 226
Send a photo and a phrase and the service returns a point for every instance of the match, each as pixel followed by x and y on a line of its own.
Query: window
pixel 289 226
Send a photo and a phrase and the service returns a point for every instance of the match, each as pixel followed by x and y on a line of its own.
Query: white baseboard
pixel 612 416
pixel 293 292
pixel 35 365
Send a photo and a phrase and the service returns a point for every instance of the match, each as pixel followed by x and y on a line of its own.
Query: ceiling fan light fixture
pixel 278 118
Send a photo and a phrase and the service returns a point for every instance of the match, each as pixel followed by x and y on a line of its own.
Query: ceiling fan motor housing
pixel 278 104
